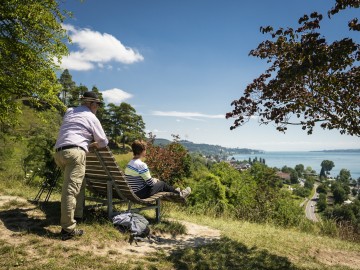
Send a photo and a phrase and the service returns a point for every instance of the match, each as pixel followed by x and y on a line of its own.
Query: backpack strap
pixel 150 239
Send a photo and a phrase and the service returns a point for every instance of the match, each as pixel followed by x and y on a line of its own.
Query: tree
pixel 339 193
pixel 310 80
pixel 286 169
pixel 309 184
pixel 326 166
pixel 267 190
pixel 300 169
pixel 344 176
pixel 294 178
pixel 322 188
pixel 322 204
pixel 67 84
pixel 75 93
pixel 302 192
pixel 101 113
pixel 40 160
pixel 31 38
pixel 126 125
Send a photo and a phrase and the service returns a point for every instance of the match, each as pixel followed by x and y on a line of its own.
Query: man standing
pixel 80 130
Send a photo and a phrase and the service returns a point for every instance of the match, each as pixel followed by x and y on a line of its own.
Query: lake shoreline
pixel 278 159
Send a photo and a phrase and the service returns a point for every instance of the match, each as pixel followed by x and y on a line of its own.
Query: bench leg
pixel 157 209
pixel 109 199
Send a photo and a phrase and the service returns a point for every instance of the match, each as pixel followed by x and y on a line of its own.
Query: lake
pixel 342 160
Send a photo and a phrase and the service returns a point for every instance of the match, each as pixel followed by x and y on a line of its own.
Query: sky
pixel 180 64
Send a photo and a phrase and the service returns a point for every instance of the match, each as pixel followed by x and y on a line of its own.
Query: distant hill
pixel 340 150
pixel 209 149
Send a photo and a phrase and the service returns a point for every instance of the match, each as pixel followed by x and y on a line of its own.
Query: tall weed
pixel 328 228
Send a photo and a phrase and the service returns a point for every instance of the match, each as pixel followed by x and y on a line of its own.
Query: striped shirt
pixel 138 175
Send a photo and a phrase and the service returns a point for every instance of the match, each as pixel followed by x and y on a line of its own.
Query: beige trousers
pixel 72 162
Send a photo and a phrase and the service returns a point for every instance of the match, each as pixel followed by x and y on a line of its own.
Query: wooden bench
pixel 104 179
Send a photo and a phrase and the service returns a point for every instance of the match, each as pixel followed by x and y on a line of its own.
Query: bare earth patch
pixel 338 257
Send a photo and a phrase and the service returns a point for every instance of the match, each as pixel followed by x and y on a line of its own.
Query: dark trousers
pixel 159 186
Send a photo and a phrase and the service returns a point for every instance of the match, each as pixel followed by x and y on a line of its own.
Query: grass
pixel 299 247
pixel 243 245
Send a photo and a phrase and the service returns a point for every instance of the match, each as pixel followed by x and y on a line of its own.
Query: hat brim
pixel 90 99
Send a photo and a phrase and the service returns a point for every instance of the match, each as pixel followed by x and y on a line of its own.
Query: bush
pixel 322 204
pixel 209 193
pixel 170 163
pixel 328 227
pixel 287 212
pixel 322 188
pixel 302 192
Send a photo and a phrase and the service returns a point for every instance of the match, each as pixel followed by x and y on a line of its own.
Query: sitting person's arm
pixel 145 174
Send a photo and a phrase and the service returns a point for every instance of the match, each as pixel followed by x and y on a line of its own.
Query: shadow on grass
pixel 225 253
pixel 28 219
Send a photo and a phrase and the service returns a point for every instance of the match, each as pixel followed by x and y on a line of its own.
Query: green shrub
pixel 328 227
pixel 208 193
pixel 287 212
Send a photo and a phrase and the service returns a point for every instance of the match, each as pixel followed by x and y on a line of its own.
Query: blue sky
pixel 180 64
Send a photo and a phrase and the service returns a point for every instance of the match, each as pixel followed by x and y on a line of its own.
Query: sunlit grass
pixel 14 203
pixel 298 246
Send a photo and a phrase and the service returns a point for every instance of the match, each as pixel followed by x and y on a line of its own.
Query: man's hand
pixel 94 145
pixel 155 180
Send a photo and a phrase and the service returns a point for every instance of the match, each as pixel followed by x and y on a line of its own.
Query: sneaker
pixel 186 192
pixel 178 190
pixel 68 235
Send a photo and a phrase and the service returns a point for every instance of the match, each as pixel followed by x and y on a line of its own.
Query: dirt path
pixel 15 221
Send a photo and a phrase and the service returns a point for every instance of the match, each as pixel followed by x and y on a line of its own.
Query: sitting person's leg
pixel 162 186
pixel 159 186
pixel 144 192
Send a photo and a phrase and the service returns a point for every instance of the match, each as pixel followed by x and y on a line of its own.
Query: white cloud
pixel 75 63
pixel 188 115
pixel 115 96
pixel 96 48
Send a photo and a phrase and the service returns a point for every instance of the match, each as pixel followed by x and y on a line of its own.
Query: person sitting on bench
pixel 139 178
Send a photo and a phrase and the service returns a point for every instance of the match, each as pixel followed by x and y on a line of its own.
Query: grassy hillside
pixel 29 239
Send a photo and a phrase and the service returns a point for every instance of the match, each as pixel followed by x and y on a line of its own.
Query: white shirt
pixel 81 127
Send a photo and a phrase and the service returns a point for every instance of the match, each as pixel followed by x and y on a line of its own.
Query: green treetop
pixel 31 39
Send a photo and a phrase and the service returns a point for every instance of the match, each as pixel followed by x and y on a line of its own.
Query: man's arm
pixel 100 139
